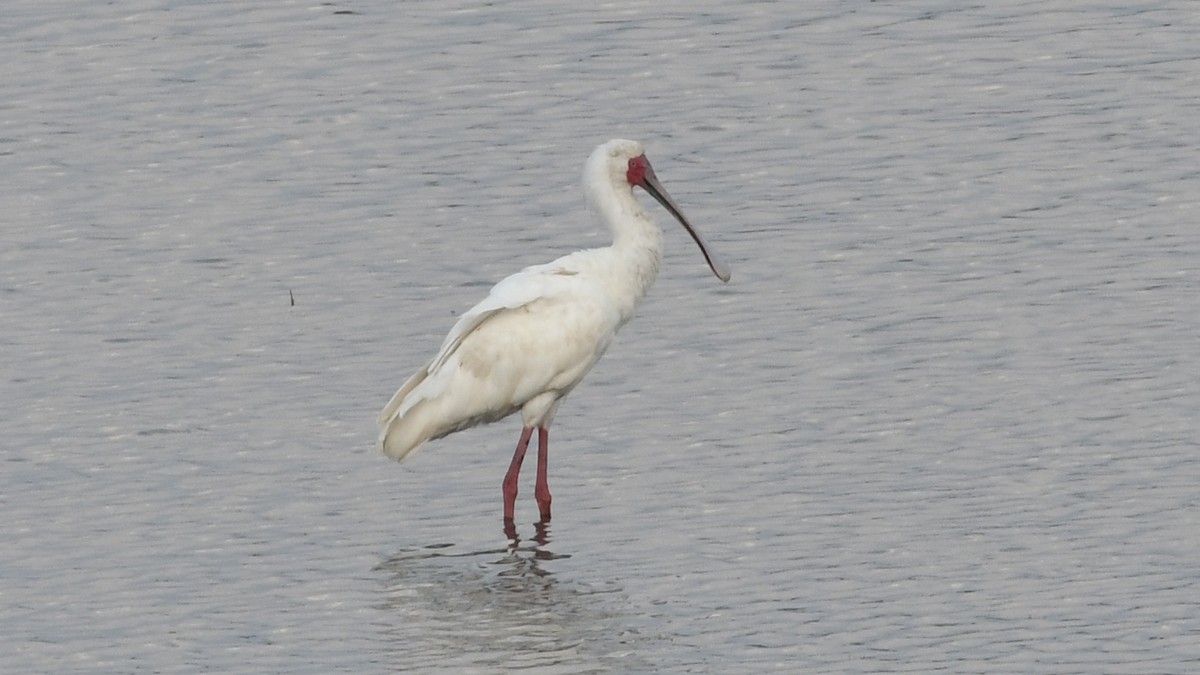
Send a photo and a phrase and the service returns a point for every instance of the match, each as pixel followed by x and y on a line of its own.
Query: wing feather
pixel 530 285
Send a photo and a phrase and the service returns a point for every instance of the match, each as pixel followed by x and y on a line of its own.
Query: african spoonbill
pixel 539 331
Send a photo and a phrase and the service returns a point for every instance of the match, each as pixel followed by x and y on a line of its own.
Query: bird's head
pixel 623 161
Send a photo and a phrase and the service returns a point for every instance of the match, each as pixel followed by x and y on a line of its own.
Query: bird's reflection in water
pixel 521 570
pixel 495 608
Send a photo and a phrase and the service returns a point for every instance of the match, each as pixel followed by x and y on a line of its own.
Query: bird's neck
pixel 640 256
pixel 637 246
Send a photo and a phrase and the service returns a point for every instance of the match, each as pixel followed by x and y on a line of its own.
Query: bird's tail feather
pixel 389 410
pixel 402 430
pixel 427 408
pixel 403 434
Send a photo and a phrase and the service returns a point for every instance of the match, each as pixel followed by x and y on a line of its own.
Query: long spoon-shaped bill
pixel 651 185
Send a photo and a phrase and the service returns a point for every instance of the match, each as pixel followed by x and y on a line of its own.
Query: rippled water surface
pixel 944 418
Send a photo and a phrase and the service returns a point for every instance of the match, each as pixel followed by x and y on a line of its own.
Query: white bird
pixel 539 331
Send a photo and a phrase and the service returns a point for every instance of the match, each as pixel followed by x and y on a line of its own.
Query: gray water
pixel 943 419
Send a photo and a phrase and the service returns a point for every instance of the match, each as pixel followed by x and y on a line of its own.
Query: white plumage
pixel 539 331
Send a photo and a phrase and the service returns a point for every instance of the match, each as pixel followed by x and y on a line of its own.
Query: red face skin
pixel 638 168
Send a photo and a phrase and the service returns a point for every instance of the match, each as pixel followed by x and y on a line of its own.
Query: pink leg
pixel 514 473
pixel 542 490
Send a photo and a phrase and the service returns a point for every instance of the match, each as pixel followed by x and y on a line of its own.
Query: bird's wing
pixel 539 282
pixel 525 287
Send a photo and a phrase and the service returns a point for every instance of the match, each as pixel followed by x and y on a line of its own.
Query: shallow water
pixel 943 417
